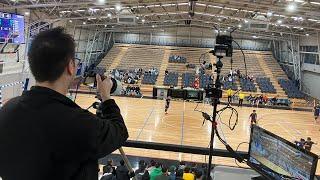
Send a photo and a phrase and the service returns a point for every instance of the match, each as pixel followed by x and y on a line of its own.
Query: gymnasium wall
pixel 184 36
pixel 309 49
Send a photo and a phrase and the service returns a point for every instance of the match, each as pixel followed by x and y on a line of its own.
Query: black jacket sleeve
pixel 112 132
pixel 102 135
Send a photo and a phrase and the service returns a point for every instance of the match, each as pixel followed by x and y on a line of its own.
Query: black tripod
pixel 216 93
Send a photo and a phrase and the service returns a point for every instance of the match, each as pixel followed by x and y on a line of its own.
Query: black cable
pixel 244 57
pixel 237 151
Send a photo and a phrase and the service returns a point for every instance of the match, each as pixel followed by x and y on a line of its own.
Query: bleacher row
pixel 175 60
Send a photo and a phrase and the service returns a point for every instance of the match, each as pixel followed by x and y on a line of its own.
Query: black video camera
pixel 223 47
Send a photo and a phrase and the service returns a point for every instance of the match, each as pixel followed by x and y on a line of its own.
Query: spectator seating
pixel 265 85
pixel 191 66
pixel 149 79
pixel 247 85
pixel 204 80
pixel 230 85
pixel 291 89
pixel 177 59
pixel 171 79
pixel 188 79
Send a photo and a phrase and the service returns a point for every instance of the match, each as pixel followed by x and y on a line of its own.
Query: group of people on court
pixel 305 144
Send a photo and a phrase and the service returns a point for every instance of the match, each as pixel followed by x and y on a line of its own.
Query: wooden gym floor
pixel 146 121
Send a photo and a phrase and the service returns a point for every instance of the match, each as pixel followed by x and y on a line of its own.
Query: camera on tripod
pixel 223 47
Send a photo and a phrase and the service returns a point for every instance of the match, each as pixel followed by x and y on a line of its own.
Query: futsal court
pixel 146 121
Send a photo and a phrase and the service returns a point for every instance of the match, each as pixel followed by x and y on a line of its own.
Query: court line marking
pixel 145 123
pixel 182 127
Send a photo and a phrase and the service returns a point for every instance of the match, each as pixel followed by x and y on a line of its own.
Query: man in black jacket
pixel 46 136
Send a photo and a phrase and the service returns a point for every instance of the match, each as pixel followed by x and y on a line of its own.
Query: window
pixel 310 58
pixel 309 48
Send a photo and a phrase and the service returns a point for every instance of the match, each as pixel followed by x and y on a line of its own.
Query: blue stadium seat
pixel 188 79
pixel 247 85
pixel 291 89
pixel 171 79
pixel 265 85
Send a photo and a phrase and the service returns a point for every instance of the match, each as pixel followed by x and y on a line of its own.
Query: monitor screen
pixel 276 158
pixel 11 28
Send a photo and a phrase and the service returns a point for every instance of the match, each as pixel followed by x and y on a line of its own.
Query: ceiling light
pixel 84 23
pixel 105 25
pixel 118 7
pixel 101 1
pixel 27 13
pixel 109 15
pixel 239 25
pixel 269 13
pixel 272 34
pixel 316 3
pixel 137 17
pixel 291 7
pixel 143 20
pixel 255 37
pixel 301 28
pixel 70 21
pixel 153 26
pixel 279 21
pixel 246 21
pixel 307 34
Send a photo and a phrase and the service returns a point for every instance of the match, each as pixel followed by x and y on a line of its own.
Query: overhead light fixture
pixel 307 34
pixel 272 34
pixel 84 23
pixel 109 15
pixel 118 7
pixel 316 3
pixel 279 21
pixel 27 13
pixel 105 25
pixel 70 21
pixel 269 13
pixel 292 7
pixel 246 21
pixel 143 20
pixel 138 17
pixel 153 26
pixel 239 26
pixel 101 1
pixel 255 37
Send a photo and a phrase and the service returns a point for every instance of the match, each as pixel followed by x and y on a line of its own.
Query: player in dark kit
pixel 253 118
pixel 167 104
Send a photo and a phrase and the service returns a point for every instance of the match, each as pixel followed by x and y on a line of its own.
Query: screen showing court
pixel 278 158
pixel 11 28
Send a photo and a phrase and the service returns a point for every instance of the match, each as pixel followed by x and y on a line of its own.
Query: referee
pixel 46 136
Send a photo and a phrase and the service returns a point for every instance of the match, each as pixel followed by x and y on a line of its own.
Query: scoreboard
pixel 11 28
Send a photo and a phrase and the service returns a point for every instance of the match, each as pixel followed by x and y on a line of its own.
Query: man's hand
pixel 104 87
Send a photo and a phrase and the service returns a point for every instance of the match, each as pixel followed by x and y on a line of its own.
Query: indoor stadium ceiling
pixel 268 17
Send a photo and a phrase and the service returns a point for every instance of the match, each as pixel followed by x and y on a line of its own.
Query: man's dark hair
pixel 50 53
pixel 121 162
pixel 187 170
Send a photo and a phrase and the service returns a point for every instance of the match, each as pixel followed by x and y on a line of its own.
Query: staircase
pixel 163 67
pixel 117 60
pixel 270 74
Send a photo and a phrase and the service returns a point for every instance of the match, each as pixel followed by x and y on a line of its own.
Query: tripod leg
pixel 128 165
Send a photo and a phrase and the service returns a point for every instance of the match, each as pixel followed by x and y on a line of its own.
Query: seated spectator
pixel 265 99
pixel 180 169
pixel 152 165
pixel 141 173
pixel 164 175
pixel 187 175
pixel 308 144
pixel 166 72
pixel 108 173
pixel 172 173
pixel 109 164
pixel 198 175
pixel 300 143
pixel 122 173
pixel 157 171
